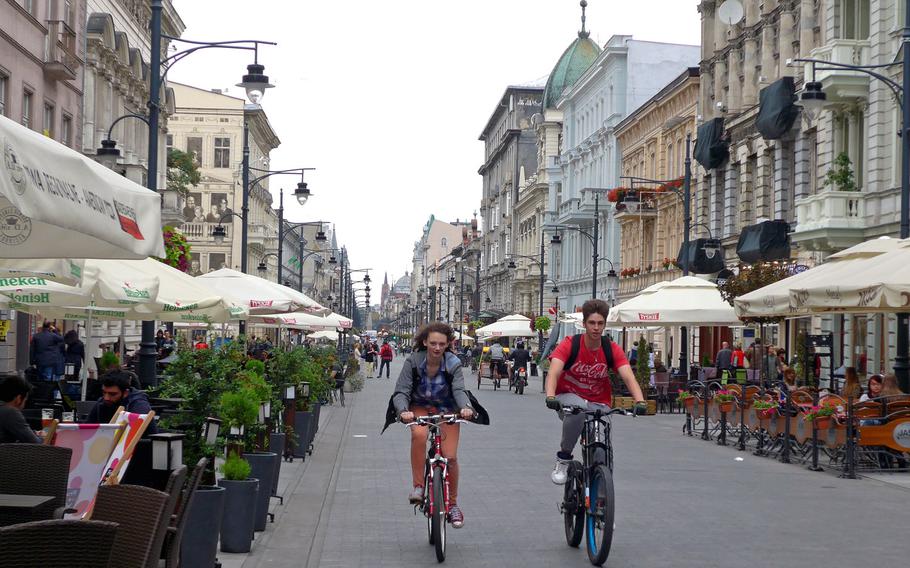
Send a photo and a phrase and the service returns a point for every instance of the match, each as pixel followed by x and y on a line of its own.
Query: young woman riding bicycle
pixel 431 382
pixel 585 381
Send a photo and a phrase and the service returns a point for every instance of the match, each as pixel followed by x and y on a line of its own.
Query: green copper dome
pixel 574 62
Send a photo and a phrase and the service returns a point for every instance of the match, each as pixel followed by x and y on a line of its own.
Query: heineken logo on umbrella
pixel 129 222
pixel 14 168
pixel 15 228
pixel 132 292
pixel 31 298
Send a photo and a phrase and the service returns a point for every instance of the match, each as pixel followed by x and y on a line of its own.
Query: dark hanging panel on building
pixel 711 149
pixel 776 112
pixel 699 260
pixel 765 241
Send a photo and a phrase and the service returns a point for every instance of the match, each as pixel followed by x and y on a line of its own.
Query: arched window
pixel 444 243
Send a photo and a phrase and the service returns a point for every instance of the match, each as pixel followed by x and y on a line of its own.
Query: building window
pixel 222 152
pixel 29 6
pixel 66 130
pixel 199 119
pixel 444 243
pixel 854 19
pixel 27 108
pixel 223 120
pixel 168 143
pixel 194 148
pixel 48 120
pixel 4 88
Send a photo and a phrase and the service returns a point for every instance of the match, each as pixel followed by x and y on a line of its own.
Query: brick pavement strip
pixel 680 501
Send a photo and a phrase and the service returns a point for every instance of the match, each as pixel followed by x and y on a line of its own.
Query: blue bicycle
pixel 588 501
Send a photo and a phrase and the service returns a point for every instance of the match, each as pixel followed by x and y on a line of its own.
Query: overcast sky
pixel 387 98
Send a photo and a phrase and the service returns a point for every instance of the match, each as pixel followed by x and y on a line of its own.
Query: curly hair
pixel 437 327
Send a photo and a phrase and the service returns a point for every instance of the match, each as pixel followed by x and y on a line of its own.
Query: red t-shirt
pixel 589 376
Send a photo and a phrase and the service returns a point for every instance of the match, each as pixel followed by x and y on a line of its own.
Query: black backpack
pixel 605 344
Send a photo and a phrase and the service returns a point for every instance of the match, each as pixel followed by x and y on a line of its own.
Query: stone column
pixel 768 66
pixel 807 21
pixel 735 93
pixel 729 203
pixel 750 71
pixel 787 37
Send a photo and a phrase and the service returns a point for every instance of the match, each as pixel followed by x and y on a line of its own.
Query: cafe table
pixel 15 509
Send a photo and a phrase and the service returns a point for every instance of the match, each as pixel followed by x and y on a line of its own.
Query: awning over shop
pixel 777 113
pixel 711 148
pixel 764 242
pixel 706 256
pixel 56 203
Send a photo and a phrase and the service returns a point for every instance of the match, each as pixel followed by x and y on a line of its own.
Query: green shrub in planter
pixel 235 468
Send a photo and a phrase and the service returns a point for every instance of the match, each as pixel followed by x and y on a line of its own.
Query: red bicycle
pixel 435 505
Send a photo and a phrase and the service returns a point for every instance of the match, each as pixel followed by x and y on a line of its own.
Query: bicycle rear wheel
pixel 573 508
pixel 600 515
pixel 438 519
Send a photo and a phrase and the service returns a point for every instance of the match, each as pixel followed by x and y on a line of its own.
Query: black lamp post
pixel 255 84
pixel 813 98
pixel 539 260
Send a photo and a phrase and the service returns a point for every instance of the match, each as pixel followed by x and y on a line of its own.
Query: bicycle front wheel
pixel 573 505
pixel 600 515
pixel 438 511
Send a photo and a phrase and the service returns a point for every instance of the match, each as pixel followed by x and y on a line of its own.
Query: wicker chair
pixel 35 469
pixel 173 489
pixel 140 512
pixel 59 544
pixel 170 551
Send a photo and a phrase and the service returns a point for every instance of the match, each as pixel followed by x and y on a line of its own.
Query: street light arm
pixel 532 258
pixel 571 228
pixel 230 214
pixel 895 87
pixel 705 225
pixel 269 173
pixel 131 115
pixel 243 44
pixel 603 258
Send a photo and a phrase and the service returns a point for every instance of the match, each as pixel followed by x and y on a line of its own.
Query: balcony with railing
pixel 830 220
pixel 60 63
pixel 842 85
pixel 630 286
pixel 202 232
pixel 635 210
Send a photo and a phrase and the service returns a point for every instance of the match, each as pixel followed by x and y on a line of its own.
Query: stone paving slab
pixel 680 501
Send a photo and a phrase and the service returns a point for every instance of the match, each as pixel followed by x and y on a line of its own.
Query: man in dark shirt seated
pixel 520 359
pixel 117 391
pixel 14 391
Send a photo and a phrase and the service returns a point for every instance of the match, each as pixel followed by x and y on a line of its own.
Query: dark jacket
pixel 521 357
pixel 45 348
pixel 75 354
pixel 724 360
pixel 13 427
pixel 401 398
pixel 136 401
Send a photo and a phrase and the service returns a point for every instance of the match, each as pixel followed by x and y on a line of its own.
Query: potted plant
pixel 257 395
pixel 841 174
pixel 724 400
pixel 765 409
pixel 820 416
pixel 686 399
pixel 240 501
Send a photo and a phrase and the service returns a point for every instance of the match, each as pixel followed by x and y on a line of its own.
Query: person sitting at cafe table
pixel 117 390
pixel 14 391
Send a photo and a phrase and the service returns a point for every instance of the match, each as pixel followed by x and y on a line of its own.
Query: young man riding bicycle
pixel 579 376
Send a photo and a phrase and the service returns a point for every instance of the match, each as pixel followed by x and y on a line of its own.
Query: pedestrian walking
pixel 369 357
pixel 385 358
pixel 75 351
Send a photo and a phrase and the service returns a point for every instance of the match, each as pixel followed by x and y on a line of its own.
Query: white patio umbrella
pixel 872 284
pixel 63 270
pixel 56 203
pixel 515 325
pixel 259 295
pixel 688 300
pixel 303 320
pixel 330 335
pixel 774 300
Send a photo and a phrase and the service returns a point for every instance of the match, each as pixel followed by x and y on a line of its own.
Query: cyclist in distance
pixel 579 375
pixel 431 382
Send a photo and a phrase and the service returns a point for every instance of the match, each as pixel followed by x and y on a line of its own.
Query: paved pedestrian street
pixel 680 501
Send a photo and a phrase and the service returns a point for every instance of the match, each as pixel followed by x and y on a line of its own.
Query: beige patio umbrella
pixel 775 300
pixel 258 295
pixel 62 270
pixel 874 284
pixel 688 300
pixel 303 320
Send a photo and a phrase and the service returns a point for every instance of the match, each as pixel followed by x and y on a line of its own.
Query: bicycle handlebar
pixel 435 419
pixel 579 410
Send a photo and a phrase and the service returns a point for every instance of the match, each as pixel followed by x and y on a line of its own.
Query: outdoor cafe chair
pixel 35 469
pixel 174 489
pixel 170 550
pixel 140 513
pixel 58 544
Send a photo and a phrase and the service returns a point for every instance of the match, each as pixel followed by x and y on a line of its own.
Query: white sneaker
pixel 560 471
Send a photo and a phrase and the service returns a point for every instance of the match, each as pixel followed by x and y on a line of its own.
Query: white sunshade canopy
pixel 63 270
pixel 872 284
pixel 258 295
pixel 688 300
pixel 56 203
pixel 775 299
pixel 330 335
pixel 515 325
pixel 303 320
pixel 126 290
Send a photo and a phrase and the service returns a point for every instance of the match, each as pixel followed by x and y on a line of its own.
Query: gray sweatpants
pixel 573 424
